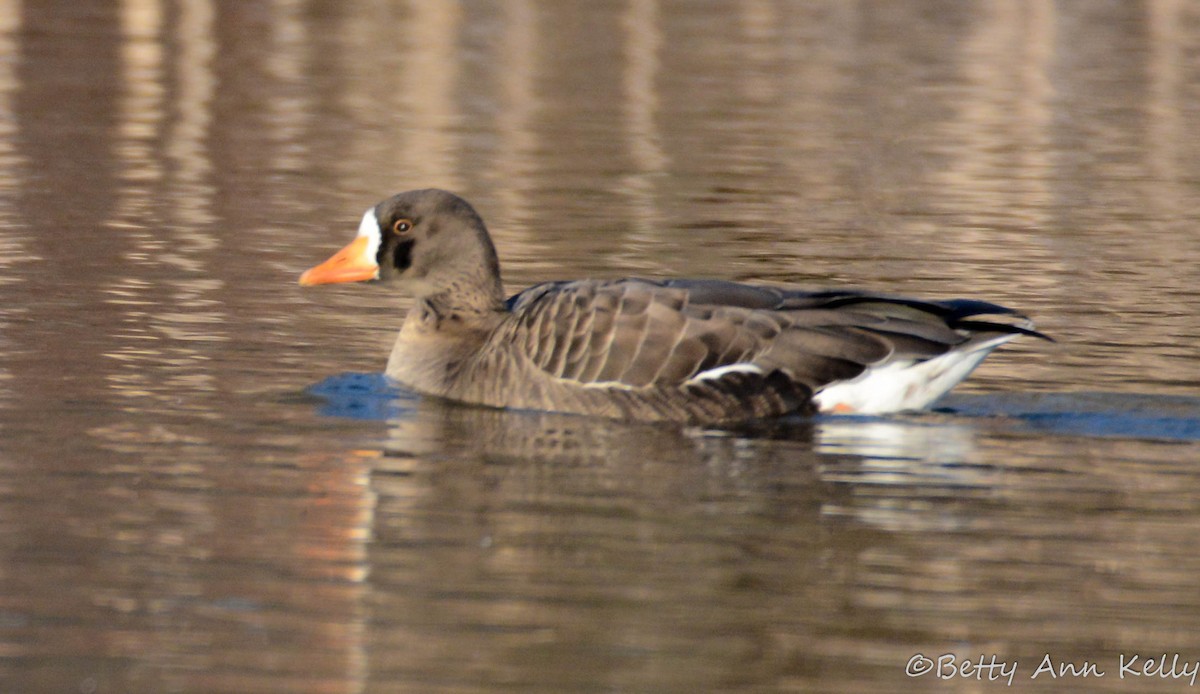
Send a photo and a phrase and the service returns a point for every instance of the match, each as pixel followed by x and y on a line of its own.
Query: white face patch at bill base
pixel 369 227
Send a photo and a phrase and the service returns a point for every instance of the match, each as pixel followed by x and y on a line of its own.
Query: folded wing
pixel 746 348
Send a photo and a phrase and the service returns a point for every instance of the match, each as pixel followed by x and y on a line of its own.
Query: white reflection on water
pixel 186 139
pixel 411 96
pixel 1166 72
pixel 518 56
pixel 12 251
pixel 1002 121
pixel 10 24
pixel 160 144
pixel 291 112
pixel 642 64
pixel 896 441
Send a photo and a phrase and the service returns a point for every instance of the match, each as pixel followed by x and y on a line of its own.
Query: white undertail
pixel 907 385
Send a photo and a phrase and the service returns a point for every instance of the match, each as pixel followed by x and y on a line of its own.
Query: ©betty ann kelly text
pixel 1135 666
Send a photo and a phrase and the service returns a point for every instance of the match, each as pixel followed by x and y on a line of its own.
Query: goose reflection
pixel 496 532
pixel 922 451
pixel 574 455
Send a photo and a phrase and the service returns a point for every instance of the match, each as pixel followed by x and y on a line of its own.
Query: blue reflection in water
pixel 366 396
pixel 372 396
pixel 1122 415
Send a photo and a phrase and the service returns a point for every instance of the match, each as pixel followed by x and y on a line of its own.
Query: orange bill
pixel 351 264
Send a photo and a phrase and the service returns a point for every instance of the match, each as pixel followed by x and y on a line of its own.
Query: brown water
pixel 203 488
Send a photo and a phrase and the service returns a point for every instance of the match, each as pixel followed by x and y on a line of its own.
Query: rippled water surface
pixel 205 485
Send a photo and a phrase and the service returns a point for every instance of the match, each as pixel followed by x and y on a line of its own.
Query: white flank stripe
pixel 718 372
pixel 604 384
pixel 709 375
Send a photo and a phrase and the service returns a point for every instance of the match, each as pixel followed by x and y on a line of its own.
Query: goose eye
pixel 401 226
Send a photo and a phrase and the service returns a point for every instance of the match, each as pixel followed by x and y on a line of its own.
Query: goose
pixel 699 351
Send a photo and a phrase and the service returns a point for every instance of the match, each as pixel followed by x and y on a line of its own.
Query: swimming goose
pixel 701 351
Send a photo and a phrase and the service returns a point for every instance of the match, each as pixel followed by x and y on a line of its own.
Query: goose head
pixel 428 241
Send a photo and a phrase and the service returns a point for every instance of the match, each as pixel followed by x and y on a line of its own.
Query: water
pixel 206 487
